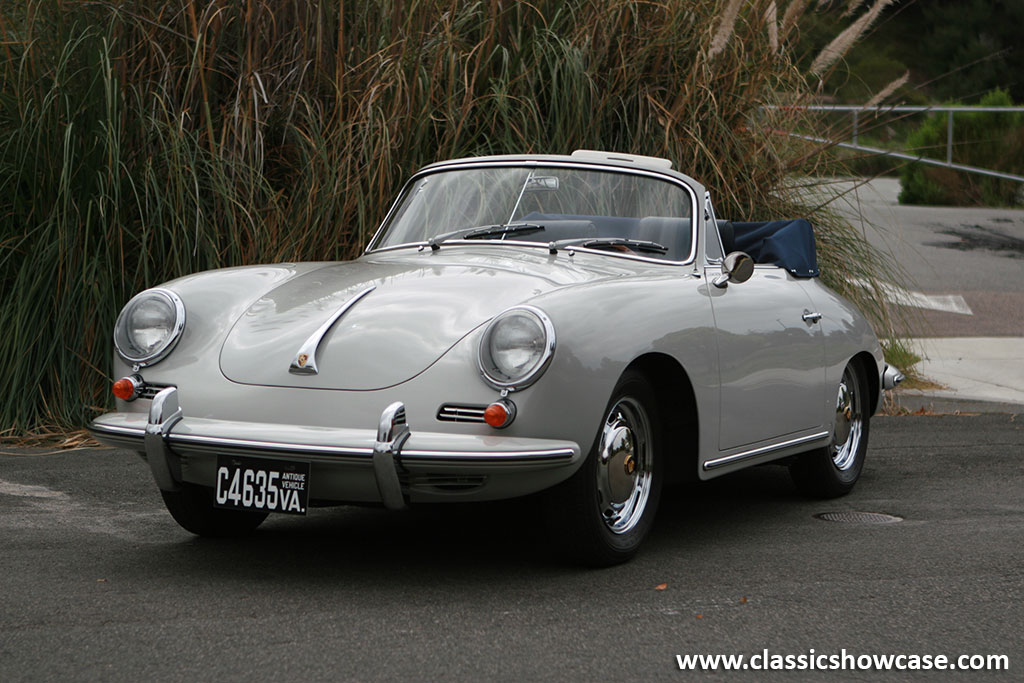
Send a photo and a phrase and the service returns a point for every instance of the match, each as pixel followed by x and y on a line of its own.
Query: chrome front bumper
pixel 389 465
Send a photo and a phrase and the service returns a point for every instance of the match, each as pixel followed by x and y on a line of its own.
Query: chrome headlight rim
pixel 483 356
pixel 168 344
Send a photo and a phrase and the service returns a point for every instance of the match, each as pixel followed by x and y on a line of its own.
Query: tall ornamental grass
pixel 144 139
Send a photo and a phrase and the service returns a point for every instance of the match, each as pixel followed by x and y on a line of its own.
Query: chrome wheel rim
pixel 624 466
pixel 849 422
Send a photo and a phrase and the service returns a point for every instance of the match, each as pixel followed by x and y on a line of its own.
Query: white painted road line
pixel 949 303
pixel 10 488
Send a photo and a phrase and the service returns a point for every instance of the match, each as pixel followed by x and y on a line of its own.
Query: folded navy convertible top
pixel 788 244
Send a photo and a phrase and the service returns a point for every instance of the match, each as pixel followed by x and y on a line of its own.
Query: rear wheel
pixel 604 511
pixel 192 508
pixel 832 471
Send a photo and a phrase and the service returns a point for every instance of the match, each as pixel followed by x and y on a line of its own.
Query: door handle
pixel 809 317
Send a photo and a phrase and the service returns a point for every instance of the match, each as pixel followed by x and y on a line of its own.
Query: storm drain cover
pixel 852 517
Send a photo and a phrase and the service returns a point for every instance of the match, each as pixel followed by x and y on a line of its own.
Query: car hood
pixel 421 305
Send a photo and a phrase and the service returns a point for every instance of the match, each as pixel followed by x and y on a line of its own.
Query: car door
pixel 771 358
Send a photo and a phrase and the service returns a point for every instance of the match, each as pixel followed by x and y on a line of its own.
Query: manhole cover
pixel 851 517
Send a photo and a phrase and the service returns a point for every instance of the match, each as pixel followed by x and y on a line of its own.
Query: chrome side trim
pixel 304 362
pixel 737 457
pixel 164 413
pixel 392 433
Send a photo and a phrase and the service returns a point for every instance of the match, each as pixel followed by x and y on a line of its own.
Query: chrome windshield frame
pixel 543 163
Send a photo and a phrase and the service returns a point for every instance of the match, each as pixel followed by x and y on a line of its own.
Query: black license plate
pixel 265 485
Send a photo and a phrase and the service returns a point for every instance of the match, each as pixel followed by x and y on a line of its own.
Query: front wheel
pixel 832 471
pixel 192 508
pixel 604 511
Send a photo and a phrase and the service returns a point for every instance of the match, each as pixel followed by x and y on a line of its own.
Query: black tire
pixel 833 471
pixel 192 508
pixel 604 511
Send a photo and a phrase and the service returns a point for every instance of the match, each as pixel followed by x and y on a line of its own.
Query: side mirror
pixel 737 267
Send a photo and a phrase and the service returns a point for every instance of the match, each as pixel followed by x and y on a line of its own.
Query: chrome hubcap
pixel 624 466
pixel 849 423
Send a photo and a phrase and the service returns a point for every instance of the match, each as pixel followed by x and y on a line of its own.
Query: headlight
pixel 149 326
pixel 516 348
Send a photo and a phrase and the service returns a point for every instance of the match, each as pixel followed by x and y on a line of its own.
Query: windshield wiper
pixel 483 231
pixel 602 242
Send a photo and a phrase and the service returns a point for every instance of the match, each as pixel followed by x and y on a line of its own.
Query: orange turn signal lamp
pixel 500 413
pixel 127 388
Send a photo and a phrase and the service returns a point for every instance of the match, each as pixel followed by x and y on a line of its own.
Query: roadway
pixel 100 584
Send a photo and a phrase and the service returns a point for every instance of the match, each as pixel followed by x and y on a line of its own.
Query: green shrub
pixel 991 140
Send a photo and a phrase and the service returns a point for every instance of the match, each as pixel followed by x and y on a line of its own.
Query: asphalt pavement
pixel 98 583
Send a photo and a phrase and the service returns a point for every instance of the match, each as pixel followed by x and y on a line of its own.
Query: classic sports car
pixel 579 327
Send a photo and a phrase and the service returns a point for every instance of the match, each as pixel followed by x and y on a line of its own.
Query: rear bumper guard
pixel 891 377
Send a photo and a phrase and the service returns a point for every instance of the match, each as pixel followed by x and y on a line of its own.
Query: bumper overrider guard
pixel 164 413
pixel 392 433
pixel 393 453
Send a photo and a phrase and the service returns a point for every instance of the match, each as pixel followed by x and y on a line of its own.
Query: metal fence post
pixel 949 137
pixel 855 131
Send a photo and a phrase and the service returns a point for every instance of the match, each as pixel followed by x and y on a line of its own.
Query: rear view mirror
pixel 737 267
pixel 542 183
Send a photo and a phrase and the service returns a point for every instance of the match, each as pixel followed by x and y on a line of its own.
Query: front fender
pixel 601 329
pixel 213 302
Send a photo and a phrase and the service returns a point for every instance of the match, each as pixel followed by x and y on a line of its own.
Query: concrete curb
pixel 986 369
pixel 918 402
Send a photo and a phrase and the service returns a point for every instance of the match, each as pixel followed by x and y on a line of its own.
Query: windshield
pixel 618 211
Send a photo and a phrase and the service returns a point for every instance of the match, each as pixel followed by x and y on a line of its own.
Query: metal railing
pixel 856 110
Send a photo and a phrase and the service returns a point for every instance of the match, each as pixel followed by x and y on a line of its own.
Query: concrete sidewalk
pixel 972 370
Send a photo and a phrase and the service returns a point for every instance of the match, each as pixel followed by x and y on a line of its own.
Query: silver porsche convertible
pixel 580 329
